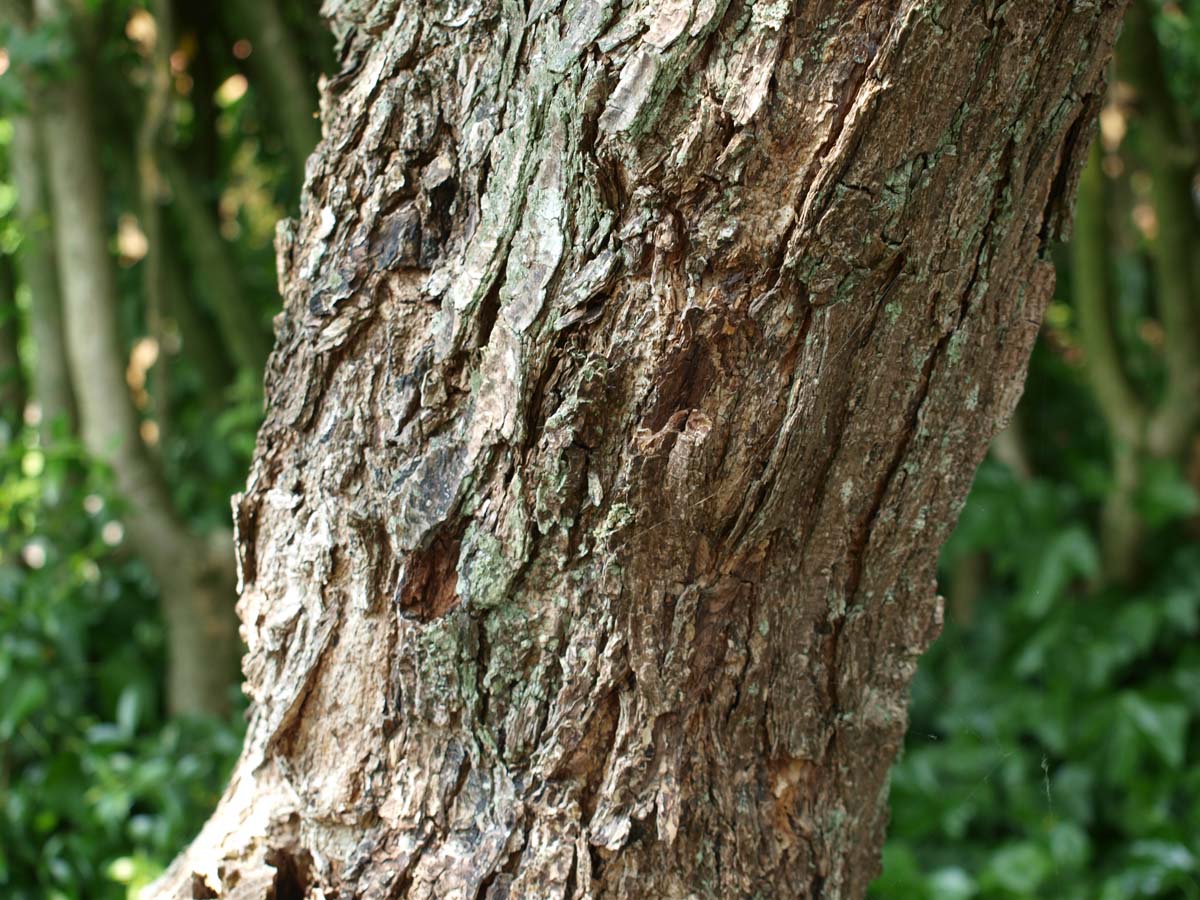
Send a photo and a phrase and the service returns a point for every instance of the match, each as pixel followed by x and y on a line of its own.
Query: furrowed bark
pixel 192 573
pixel 633 366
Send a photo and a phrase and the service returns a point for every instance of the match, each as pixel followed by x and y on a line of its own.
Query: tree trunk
pixel 634 364
pixel 1170 162
pixel 246 336
pixel 1142 429
pixel 200 338
pixel 51 380
pixel 152 190
pixel 194 579
pixel 12 382
pixel 1124 412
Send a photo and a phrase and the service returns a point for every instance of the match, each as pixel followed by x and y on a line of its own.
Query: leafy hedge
pixel 97 788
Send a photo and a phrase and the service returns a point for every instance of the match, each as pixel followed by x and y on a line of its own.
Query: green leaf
pixel 1166 495
pixel 1069 555
pixel 30 693
pixel 902 877
pixel 1018 869
pixel 127 711
pixel 1069 845
pixel 952 884
pixel 1163 725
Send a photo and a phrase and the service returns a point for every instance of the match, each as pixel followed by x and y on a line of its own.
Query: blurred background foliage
pixel 200 117
pixel 1055 727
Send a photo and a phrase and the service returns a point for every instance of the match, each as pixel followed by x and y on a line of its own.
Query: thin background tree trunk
pixel 51 378
pixel 152 189
pixel 12 380
pixel 633 367
pixel 291 96
pixel 1170 161
pixel 1143 427
pixel 247 341
pixel 191 572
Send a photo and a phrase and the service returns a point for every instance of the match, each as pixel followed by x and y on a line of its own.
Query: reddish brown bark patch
pixel 430 586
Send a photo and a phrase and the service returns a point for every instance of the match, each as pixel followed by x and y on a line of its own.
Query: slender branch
pixel 247 339
pixel 153 190
pixel 1123 410
pixel 1173 248
pixel 1091 279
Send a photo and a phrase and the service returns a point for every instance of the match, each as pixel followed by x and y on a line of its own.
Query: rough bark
pixel 634 363
pixel 193 574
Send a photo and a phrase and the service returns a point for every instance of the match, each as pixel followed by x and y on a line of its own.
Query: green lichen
pixel 485 571
pixel 620 516
pixel 954 348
